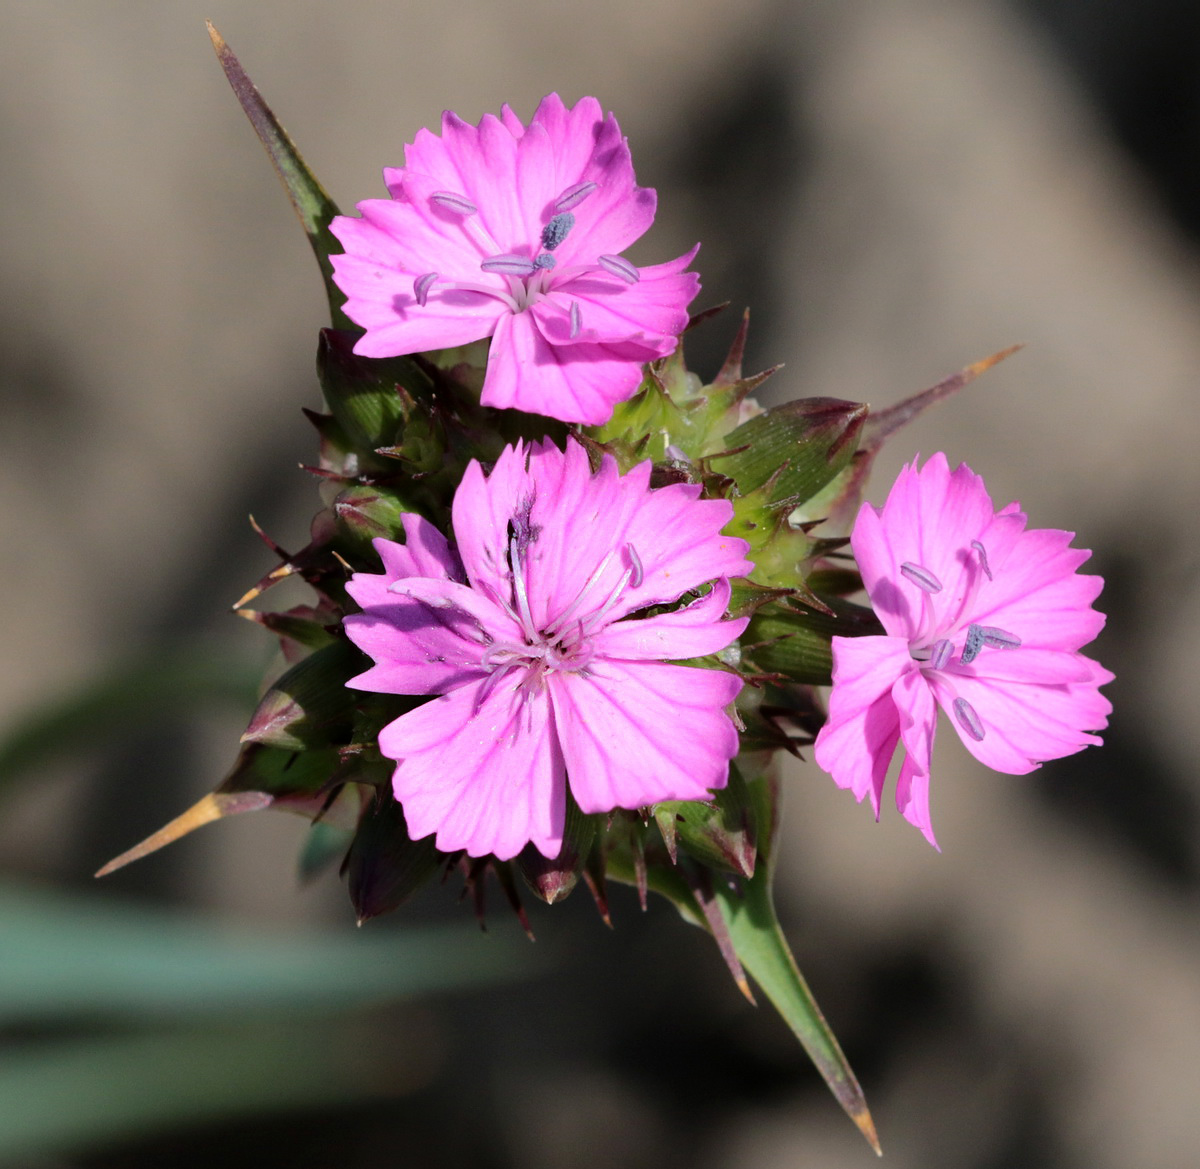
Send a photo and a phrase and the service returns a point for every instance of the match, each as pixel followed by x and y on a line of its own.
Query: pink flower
pixel 516 232
pixel 532 635
pixel 982 617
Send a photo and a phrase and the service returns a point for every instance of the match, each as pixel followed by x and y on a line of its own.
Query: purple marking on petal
pixel 635 560
pixel 453 201
pixel 422 285
pixel 973 644
pixel 556 230
pixel 968 719
pixel 576 319
pixel 619 266
pixel 509 265
pixel 573 196
pixel 545 260
pixel 999 638
pixel 940 653
pixel 921 577
pixel 982 558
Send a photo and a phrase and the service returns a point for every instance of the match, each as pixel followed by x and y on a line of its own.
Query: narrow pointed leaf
pixel 314 207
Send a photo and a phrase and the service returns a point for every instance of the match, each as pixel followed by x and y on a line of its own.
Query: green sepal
pixel 369 397
pixel 552 880
pixel 795 641
pixel 794 449
pixel 310 706
pixel 719 834
pixel 673 408
pixel 314 207
pixel 779 550
pixel 385 866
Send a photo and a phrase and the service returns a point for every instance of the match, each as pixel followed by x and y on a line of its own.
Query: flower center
pixel 563 641
pixel 935 650
pixel 528 277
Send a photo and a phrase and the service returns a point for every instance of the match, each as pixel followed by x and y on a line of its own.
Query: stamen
pixel 452 201
pixel 545 260
pixel 573 196
pixel 518 576
pixel 576 319
pixel 973 644
pixel 982 558
pixel 422 285
pixel 619 266
pixel 964 712
pixel 569 612
pixel 676 453
pixel 509 265
pixel 636 561
pixel 921 577
pixel 556 230
pixel 999 638
pixel 940 653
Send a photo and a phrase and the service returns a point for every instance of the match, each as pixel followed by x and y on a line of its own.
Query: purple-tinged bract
pixel 983 618
pixel 515 232
pixel 531 631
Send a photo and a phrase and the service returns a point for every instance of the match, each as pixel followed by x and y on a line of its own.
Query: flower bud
pixel 365 512
pixel 369 398
pixel 795 449
pixel 553 880
pixel 309 706
pixel 385 866
pixel 719 834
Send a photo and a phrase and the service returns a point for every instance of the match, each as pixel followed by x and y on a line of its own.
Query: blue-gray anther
pixel 921 577
pixel 619 266
pixel 556 230
pixel 544 260
pixel 573 196
pixel 968 719
pixel 453 201
pixel 422 285
pixel 635 562
pixel 998 638
pixel 522 530
pixel 576 319
pixel 972 645
pixel 987 571
pixel 509 265
pixel 939 653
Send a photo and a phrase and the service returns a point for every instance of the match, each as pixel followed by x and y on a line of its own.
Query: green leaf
pixel 762 949
pixel 314 207
pixel 204 1021
pixel 71 957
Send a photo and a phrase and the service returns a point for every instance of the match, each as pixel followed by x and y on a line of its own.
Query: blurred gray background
pixel 897 188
